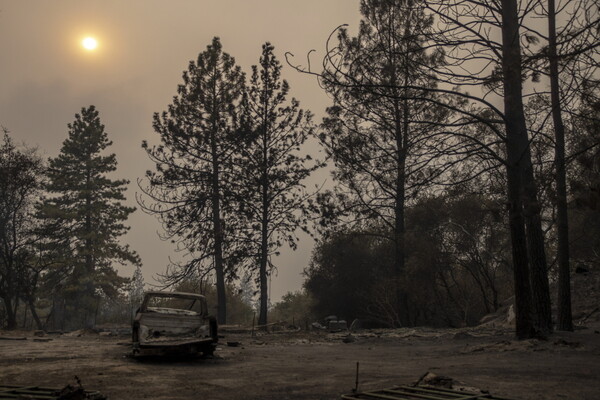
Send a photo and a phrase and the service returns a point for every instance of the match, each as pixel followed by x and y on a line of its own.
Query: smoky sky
pixel 144 45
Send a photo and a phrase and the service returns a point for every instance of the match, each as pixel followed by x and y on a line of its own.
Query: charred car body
pixel 174 323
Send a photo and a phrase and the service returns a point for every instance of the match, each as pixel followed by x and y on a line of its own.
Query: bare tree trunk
pixel 264 242
pixel 218 245
pixel 264 293
pixel 24 324
pixel 522 287
pixel 538 271
pixel 401 128
pixel 11 315
pixel 34 314
pixel 264 232
pixel 516 130
pixel 58 310
pixel 87 291
pixel 516 138
pixel 216 213
pixel 565 319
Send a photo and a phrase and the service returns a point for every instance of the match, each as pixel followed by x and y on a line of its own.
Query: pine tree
pixel 381 132
pixel 85 214
pixel 190 189
pixel 272 168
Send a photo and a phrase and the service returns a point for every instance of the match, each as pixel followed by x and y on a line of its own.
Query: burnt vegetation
pixel 462 141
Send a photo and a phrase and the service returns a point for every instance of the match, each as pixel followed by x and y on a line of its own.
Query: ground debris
pixel 317 326
pixel 81 332
pixel 431 379
pixel 462 335
pixel 523 345
pixel 337 326
pixel 563 342
pixel 71 392
pixel 428 386
pixel 349 339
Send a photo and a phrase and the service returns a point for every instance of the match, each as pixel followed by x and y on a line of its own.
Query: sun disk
pixel 89 43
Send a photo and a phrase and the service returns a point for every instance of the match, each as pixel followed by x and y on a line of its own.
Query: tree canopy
pixel 84 215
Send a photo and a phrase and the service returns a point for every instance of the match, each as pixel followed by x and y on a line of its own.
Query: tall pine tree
pixel 383 133
pixel 272 167
pixel 190 190
pixel 85 215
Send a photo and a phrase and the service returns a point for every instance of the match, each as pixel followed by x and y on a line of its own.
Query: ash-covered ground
pixel 314 365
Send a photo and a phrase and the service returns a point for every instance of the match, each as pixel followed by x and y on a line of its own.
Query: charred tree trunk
pixel 516 145
pixel 24 324
pixel 87 294
pixel 565 319
pixel 538 270
pixel 516 130
pixel 220 273
pixel 8 294
pixel 11 313
pixel 216 210
pixel 34 314
pixel 58 310
pixel 523 312
pixel 217 229
pixel 218 241
pixel 401 126
pixel 264 245
pixel 264 242
pixel 264 255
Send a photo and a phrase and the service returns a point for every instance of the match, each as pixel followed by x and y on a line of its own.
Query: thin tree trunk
pixel 58 310
pixel 401 136
pixel 11 313
pixel 264 294
pixel 399 223
pixel 565 319
pixel 216 210
pixel 87 295
pixel 264 244
pixel 218 242
pixel 538 271
pixel 515 147
pixel 35 316
pixel 24 324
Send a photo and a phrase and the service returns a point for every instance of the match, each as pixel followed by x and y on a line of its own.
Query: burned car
pixel 174 323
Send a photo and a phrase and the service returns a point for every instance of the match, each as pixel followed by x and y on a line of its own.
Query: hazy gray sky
pixel 144 45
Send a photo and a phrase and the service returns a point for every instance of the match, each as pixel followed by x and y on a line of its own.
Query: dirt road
pixel 315 366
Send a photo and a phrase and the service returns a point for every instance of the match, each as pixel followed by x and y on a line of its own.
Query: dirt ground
pixel 314 365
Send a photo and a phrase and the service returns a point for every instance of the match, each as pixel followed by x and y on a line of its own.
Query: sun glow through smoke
pixel 89 43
